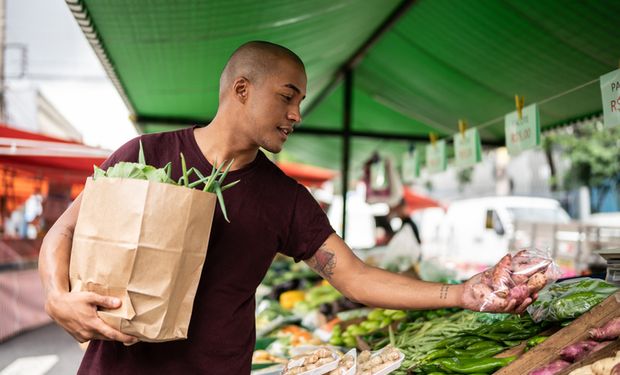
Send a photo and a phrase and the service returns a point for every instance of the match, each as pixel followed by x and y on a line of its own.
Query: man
pixel 261 89
pixel 400 211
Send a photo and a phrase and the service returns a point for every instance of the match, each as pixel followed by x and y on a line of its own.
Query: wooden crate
pixel 549 350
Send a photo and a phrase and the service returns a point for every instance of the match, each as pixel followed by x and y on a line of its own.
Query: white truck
pixel 476 233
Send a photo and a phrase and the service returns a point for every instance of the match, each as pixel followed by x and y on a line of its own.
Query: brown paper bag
pixel 145 243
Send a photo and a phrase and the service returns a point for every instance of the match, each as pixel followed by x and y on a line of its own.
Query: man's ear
pixel 241 88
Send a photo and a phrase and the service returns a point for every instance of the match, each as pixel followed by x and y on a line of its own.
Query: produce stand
pixel 576 331
pixel 500 343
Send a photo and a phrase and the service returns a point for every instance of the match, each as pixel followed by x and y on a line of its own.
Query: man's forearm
pixel 54 259
pixel 379 288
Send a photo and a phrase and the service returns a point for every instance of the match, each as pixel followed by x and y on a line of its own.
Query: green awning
pixel 441 61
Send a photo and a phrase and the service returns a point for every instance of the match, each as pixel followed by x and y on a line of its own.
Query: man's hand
pixel 479 296
pixel 77 313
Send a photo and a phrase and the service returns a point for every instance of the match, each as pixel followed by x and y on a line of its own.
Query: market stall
pixel 39 177
pixel 391 72
pixel 574 323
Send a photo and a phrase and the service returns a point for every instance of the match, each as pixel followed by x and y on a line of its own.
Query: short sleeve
pixel 309 227
pixel 127 152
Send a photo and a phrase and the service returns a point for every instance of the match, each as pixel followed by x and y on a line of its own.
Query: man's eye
pixel 287 98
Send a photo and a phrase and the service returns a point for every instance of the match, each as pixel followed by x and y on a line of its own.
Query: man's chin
pixel 274 149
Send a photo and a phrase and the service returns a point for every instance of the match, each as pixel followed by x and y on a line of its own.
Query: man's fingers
pixel 110 333
pixel 523 306
pixel 511 305
pixel 104 301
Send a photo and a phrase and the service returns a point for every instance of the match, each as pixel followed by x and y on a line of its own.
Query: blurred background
pixel 388 81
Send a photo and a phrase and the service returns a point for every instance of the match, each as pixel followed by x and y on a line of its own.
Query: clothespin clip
pixel 462 127
pixel 519 103
pixel 433 138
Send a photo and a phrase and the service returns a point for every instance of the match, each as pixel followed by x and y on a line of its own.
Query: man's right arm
pixel 76 312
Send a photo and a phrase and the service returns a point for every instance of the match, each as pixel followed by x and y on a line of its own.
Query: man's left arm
pixel 372 286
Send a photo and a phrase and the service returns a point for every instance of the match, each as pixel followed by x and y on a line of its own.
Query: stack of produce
pixel 473 351
pixel 605 366
pixel 378 363
pixel 515 277
pixel 416 339
pixel 319 359
pixel 377 319
pixel 269 315
pixel 346 365
pixel 599 338
pixel 569 299
pixel 315 297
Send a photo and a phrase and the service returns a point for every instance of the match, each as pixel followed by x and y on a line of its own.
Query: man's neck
pixel 218 143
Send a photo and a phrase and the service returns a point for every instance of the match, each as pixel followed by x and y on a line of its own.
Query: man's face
pixel 273 106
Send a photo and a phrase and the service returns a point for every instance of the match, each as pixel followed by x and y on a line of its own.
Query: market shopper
pixel 261 89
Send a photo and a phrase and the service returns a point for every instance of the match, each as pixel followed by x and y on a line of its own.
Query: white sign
pixel 610 91
pixel 411 166
pixel 467 148
pixel 522 134
pixel 436 157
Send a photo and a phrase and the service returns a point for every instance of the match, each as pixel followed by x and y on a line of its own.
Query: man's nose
pixel 295 116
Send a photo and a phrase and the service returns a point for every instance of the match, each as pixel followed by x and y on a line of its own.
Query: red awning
pixel 29 162
pixel 306 175
pixel 47 156
pixel 417 201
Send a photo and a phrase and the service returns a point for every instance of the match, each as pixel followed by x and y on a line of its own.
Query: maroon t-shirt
pixel 269 212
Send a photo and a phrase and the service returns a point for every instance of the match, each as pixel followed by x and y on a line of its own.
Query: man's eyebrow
pixel 293 87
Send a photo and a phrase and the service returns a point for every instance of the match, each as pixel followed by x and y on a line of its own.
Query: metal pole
pixel 346 145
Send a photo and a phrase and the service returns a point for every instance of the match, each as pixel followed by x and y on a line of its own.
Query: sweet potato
pixel 585 370
pixel 610 331
pixel 552 368
pixel 491 301
pixel 536 282
pixel 519 293
pixel 500 277
pixel 519 279
pixel 578 350
pixel 605 365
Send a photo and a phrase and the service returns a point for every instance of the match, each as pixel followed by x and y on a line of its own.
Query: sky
pixel 62 65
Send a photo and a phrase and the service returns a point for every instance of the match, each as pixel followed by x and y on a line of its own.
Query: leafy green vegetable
pixel 142 171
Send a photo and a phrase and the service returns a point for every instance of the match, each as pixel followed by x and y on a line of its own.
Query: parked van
pixel 478 231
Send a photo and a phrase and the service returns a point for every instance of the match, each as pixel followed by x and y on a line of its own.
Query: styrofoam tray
pixel 352 353
pixel 392 367
pixel 319 370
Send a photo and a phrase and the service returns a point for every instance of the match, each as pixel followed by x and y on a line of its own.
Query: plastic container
pixel 393 367
pixel 317 371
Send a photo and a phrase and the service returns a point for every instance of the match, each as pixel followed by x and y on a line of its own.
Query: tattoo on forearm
pixel 323 262
pixel 443 292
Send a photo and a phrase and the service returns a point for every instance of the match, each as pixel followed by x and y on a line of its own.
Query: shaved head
pixel 255 61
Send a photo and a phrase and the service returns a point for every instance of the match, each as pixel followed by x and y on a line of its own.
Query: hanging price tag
pixel 436 157
pixel 378 175
pixel 467 148
pixel 523 133
pixel 411 166
pixel 610 91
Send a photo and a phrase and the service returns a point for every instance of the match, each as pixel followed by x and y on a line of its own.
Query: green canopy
pixel 381 73
pixel 416 67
